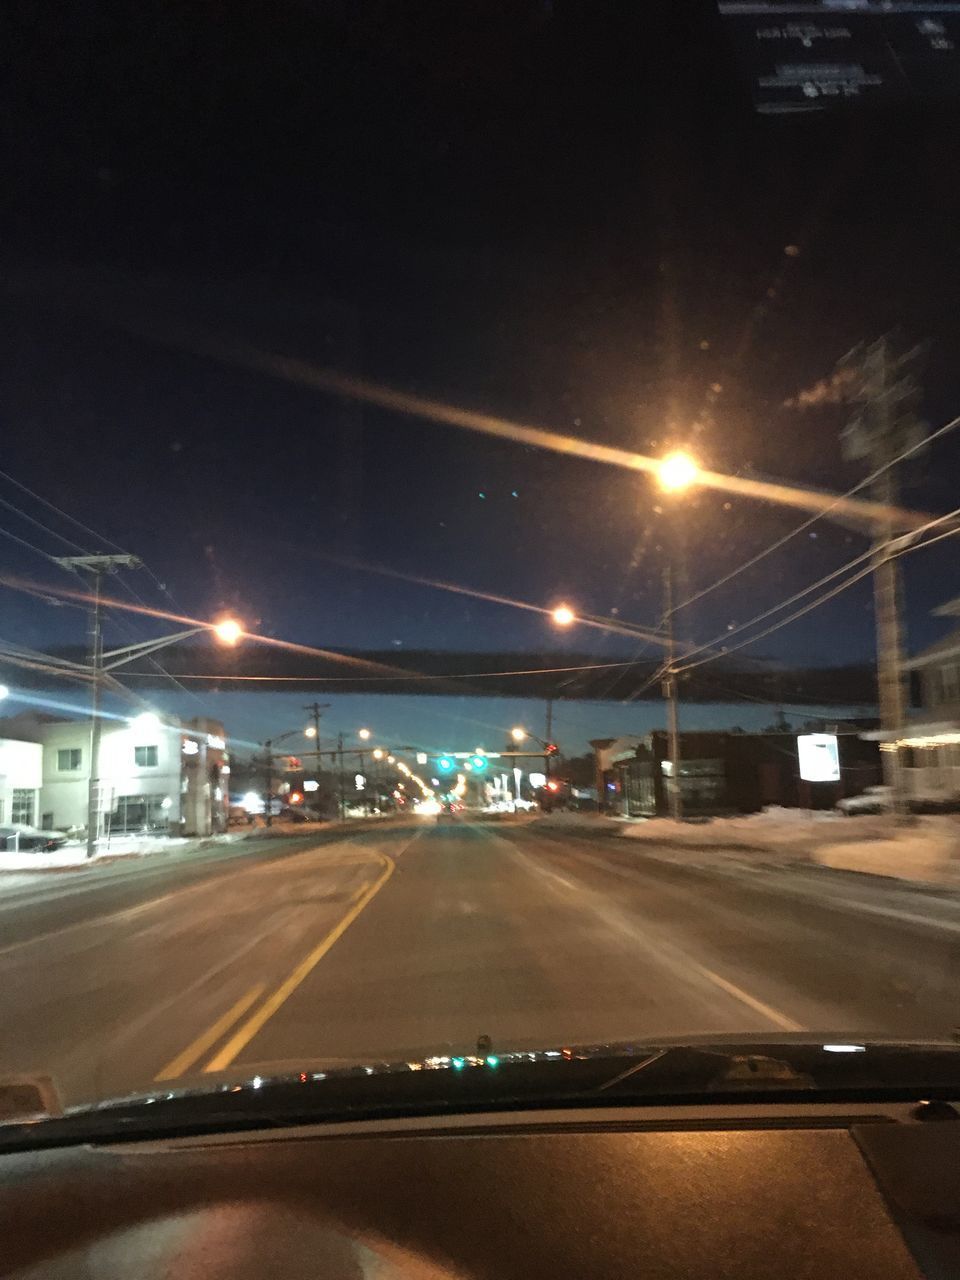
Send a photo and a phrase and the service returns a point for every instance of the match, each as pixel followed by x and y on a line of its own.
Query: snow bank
pixel 74 853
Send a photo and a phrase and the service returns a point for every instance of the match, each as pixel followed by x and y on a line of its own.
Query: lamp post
pixel 677 472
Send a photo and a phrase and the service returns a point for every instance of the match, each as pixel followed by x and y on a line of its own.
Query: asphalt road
pixel 415 939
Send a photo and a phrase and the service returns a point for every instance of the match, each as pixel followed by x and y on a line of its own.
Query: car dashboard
pixel 746 1191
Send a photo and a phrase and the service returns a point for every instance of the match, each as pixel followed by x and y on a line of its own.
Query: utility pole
pixel 343 804
pixel 549 737
pixel 268 784
pixel 885 427
pixel 670 692
pixel 95 567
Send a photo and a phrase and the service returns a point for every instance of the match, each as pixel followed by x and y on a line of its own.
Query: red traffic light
pixel 552 748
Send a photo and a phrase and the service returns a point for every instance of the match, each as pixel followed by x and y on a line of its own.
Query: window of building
pixel 69 759
pixel 21 811
pixel 145 757
pixel 138 813
pixel 46 822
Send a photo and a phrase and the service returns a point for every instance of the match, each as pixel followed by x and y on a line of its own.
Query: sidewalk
pixel 926 850
pixel 73 855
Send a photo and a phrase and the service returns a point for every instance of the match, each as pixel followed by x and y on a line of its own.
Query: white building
pixel 929 744
pixel 21 774
pixel 162 776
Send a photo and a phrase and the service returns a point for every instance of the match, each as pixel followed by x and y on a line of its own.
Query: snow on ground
pixel 74 852
pixel 927 848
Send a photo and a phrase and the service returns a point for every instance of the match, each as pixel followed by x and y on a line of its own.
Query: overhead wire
pixel 801 528
pixel 827 596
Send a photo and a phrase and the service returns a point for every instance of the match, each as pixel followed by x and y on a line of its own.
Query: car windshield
pixel 476 512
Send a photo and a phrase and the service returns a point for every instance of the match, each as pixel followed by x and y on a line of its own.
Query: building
pixel 21 775
pixel 929 744
pixel 168 777
pixel 726 773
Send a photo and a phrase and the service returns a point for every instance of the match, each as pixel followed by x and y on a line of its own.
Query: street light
pixel 378 754
pixel 363 733
pixel 677 471
pixel 228 631
pixel 518 734
pixel 4 691
pixel 563 615
pixel 310 731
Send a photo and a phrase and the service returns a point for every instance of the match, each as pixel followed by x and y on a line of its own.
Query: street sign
pixel 819 756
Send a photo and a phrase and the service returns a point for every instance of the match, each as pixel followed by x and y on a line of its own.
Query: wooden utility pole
pixel 884 427
pixel 95 567
pixel 670 692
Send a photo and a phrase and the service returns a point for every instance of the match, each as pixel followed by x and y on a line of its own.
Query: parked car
pixel 874 800
pixel 30 839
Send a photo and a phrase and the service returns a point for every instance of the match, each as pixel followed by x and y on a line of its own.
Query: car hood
pixel 694 1070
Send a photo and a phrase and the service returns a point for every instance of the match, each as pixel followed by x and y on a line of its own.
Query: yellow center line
pixel 178 1065
pixel 241 1038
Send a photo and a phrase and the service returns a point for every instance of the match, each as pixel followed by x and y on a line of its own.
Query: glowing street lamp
pixel 228 631
pixel 518 734
pixel 563 616
pixel 378 754
pixel 363 733
pixel 310 731
pixel 677 471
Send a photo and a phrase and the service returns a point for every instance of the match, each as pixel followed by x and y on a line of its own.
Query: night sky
pixel 566 214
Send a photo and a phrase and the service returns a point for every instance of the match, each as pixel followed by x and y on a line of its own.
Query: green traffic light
pixel 493 1060
pixel 458 1064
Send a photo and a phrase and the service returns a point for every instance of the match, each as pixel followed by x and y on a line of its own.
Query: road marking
pixel 778 1019
pixel 242 1038
pixel 178 1065
pixel 206 882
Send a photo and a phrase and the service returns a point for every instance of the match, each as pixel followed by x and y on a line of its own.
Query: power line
pixel 29 545
pixel 801 528
pixel 784 604
pixel 79 525
pixel 401 678
pixel 829 595
pixel 40 525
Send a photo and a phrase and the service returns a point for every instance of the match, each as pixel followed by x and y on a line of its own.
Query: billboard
pixel 806 56
pixel 819 756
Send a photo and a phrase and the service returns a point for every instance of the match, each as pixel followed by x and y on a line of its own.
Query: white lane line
pixel 776 1017
pixel 672 955
pixel 852 905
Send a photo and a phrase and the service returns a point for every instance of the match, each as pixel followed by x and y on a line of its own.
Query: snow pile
pixel 926 848
pixel 74 852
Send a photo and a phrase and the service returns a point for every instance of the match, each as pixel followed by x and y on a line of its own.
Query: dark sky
pixel 562 213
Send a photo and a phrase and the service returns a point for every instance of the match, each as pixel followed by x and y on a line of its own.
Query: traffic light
pixel 445 764
pixel 552 748
pixel 479 763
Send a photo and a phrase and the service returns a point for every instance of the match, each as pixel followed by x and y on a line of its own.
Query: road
pixel 403 940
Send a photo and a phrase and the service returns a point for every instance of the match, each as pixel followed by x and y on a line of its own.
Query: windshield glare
pixel 476 541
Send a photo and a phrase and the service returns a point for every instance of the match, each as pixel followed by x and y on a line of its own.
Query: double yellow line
pixel 245 1033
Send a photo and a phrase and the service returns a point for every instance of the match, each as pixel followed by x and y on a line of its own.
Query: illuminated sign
pixel 421 757
pixel 819 757
pixel 216 743
pixel 537 779
pixel 190 747
pixel 359 781
pixel 310 784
